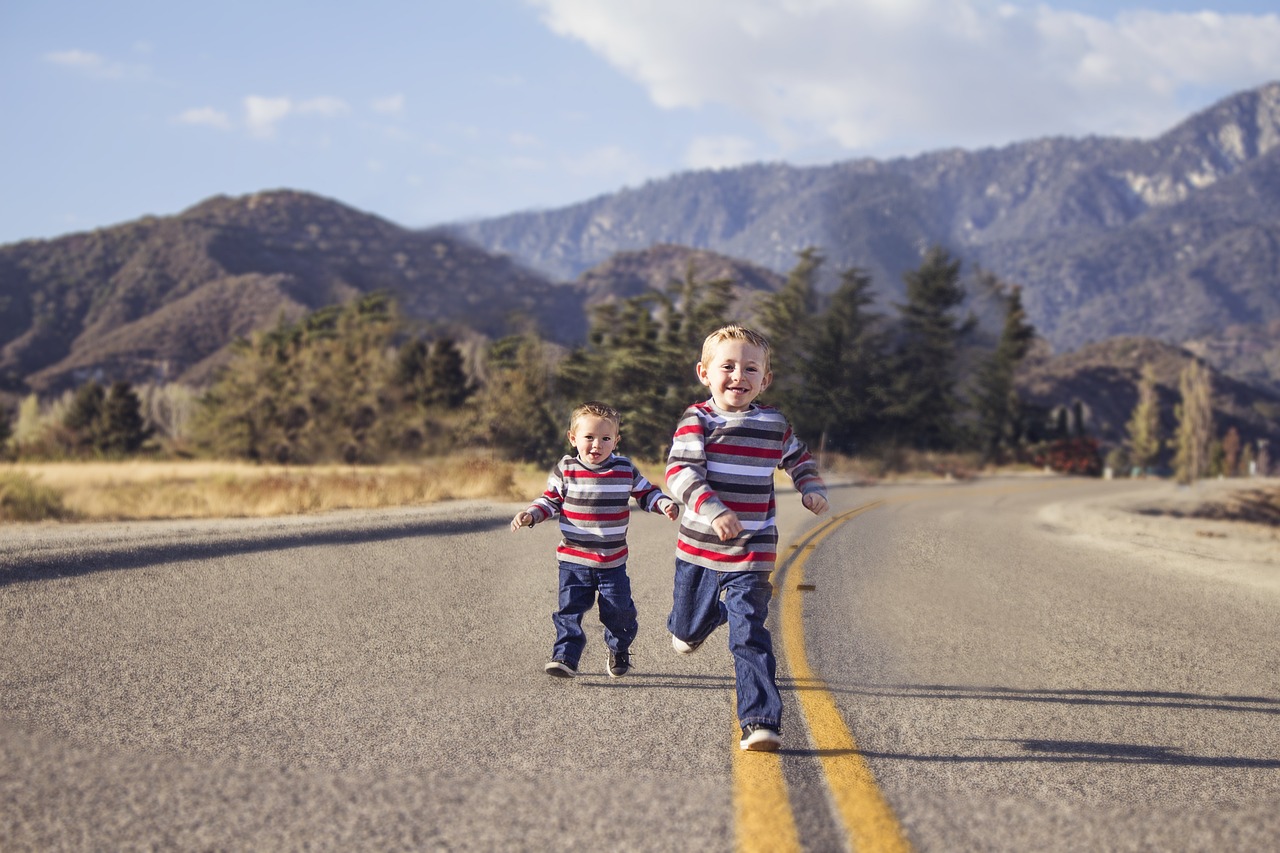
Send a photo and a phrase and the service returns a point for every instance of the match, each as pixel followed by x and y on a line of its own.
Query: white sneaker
pixel 759 738
pixel 682 647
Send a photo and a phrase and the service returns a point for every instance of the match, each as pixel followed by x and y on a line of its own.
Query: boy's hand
pixel 727 525
pixel 815 503
pixel 671 511
pixel 522 519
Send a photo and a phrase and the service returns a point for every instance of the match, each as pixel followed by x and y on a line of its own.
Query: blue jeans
pixel 579 589
pixel 697 610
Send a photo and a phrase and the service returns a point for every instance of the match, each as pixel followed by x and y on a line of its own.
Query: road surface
pixel 964 667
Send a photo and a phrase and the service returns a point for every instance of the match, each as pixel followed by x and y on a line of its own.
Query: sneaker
pixel 682 647
pixel 560 669
pixel 758 737
pixel 619 664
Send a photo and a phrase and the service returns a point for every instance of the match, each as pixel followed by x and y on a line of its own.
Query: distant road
pixel 374 681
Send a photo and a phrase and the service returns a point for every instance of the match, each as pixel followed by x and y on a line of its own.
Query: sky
pixel 437 111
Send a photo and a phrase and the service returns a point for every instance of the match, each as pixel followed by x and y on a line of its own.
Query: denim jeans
pixel 697 610
pixel 579 589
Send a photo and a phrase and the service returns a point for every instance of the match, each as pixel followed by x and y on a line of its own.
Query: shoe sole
pixel 689 648
pixel 761 743
pixel 559 670
pixel 619 674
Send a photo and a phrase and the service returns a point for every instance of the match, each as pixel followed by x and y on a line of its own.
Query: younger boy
pixel 720 468
pixel 590 493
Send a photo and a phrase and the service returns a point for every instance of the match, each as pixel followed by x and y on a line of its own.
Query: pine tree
pixel 1231 453
pixel 123 430
pixel 999 409
pixel 787 319
pixel 924 402
pixel 446 381
pixel 83 419
pixel 1195 423
pixel 844 381
pixel 1143 427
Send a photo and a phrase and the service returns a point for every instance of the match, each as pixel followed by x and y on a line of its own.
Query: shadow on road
pixel 1130 698
pixel 70 561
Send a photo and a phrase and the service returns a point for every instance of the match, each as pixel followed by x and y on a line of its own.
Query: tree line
pixel 352 383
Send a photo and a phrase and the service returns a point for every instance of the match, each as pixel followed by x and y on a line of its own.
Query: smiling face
pixel 736 372
pixel 594 437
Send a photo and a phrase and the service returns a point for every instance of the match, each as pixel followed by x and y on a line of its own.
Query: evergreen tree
pixel 999 410
pixel 1195 423
pixel 1143 427
pixel 1231 453
pixel 446 380
pixel 123 430
pixel 787 319
pixel 924 402
pixel 6 429
pixel 844 381
pixel 83 418
pixel 514 411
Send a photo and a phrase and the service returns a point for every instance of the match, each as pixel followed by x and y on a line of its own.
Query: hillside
pixel 1176 238
pixel 160 297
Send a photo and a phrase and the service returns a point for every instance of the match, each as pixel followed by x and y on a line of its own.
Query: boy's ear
pixel 702 374
pixel 767 381
pixel 569 435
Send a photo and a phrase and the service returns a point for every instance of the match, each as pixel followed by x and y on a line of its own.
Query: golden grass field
pixel 135 489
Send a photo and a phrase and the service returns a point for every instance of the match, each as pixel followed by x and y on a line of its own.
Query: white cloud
pixel 207 117
pixel 93 64
pixel 389 105
pixel 263 114
pixel 719 152
pixel 894 75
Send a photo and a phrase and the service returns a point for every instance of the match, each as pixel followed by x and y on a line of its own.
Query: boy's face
pixel 595 438
pixel 736 374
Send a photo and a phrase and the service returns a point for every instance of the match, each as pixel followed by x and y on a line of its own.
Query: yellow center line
pixel 763 817
pixel 861 807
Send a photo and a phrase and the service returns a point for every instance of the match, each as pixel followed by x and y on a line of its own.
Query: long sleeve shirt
pixel 593 505
pixel 725 461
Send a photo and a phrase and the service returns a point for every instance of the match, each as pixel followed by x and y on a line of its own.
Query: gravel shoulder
pixel 1207 528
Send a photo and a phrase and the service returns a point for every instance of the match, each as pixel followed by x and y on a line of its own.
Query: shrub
pixel 22 498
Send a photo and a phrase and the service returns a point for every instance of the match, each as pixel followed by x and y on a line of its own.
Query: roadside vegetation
pixel 350 407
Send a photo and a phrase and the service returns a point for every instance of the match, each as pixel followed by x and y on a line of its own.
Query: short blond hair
pixel 734 332
pixel 595 409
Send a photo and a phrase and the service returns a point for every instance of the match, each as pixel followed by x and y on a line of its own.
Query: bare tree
pixel 1195 423
pixel 1144 423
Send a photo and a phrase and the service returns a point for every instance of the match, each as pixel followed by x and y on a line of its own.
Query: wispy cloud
pixel 392 105
pixel 206 117
pixel 872 74
pixel 262 115
pixel 94 64
pixel 719 152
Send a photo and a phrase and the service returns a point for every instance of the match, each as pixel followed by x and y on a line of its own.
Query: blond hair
pixel 734 332
pixel 594 409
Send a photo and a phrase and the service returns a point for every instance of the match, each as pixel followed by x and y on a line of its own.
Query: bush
pixel 24 499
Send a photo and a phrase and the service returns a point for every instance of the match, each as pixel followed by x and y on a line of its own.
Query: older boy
pixel 720 468
pixel 590 493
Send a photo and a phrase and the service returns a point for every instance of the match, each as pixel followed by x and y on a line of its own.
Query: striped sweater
pixel 593 507
pixel 725 461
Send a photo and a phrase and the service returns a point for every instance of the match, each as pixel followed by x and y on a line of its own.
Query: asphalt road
pixel 374 681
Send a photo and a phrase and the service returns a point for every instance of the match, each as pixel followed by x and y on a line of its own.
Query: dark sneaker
pixel 682 647
pixel 619 664
pixel 760 738
pixel 560 669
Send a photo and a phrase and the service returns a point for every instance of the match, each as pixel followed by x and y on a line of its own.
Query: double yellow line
pixel 763 816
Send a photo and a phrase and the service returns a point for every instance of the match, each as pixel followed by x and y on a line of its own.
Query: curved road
pixel 959 673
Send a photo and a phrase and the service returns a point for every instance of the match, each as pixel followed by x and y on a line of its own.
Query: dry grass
pixel 102 491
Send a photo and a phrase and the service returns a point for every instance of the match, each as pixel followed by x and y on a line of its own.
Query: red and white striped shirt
pixel 593 507
pixel 725 461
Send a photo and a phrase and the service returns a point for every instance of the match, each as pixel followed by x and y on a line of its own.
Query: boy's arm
pixel 546 505
pixel 649 497
pixel 687 468
pixel 802 468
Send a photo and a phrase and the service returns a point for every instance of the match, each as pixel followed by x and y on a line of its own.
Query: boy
pixel 590 493
pixel 720 468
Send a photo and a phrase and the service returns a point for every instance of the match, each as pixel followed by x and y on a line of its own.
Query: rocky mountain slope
pixel 1176 238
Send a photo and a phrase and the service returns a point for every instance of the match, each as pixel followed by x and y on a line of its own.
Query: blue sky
pixel 439 110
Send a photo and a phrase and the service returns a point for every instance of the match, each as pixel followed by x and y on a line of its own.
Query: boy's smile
pixel 736 373
pixel 595 438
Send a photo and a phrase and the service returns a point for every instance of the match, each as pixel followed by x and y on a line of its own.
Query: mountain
pixel 160 298
pixel 1175 238
pixel 1104 376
